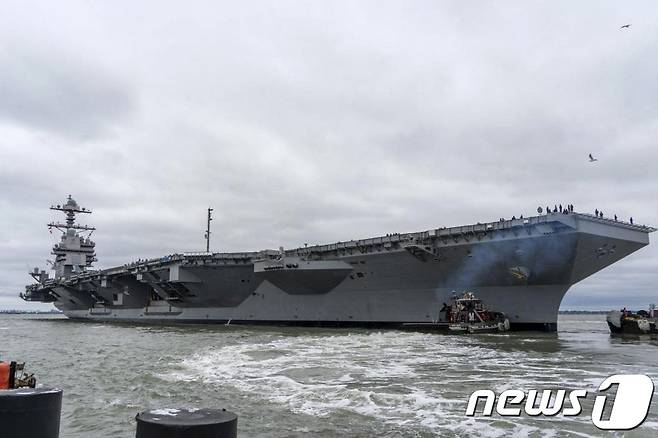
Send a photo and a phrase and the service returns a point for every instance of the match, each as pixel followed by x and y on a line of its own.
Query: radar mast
pixel 75 253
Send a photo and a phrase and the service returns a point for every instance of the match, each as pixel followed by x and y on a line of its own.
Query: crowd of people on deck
pixel 559 209
pixel 143 261
pixel 569 208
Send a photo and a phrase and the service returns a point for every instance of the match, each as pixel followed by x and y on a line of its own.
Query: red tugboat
pixel 468 314
pixel 11 379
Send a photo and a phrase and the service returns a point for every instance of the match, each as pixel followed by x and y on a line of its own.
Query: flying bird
pixel 592 159
pixel 625 26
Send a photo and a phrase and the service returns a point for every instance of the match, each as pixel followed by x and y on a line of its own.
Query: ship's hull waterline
pixel 521 267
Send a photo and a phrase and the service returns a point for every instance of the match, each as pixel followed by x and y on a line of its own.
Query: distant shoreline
pixel 31 312
pixel 583 312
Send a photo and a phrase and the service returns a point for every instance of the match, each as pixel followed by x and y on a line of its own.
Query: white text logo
pixel 630 405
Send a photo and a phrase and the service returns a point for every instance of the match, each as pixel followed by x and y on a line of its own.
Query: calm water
pixel 293 382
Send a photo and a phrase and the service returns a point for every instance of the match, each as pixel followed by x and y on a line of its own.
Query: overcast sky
pixel 318 121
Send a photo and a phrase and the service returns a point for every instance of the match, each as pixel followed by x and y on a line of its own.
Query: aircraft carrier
pixel 522 267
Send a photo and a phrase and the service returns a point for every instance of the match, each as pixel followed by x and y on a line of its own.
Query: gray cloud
pixel 317 122
pixel 46 90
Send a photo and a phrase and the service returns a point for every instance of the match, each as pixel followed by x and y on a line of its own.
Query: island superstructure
pixel 522 267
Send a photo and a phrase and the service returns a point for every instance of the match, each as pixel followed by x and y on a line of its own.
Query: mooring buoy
pixel 187 423
pixel 30 412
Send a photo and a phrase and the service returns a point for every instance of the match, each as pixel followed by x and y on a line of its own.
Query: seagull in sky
pixel 592 159
pixel 626 26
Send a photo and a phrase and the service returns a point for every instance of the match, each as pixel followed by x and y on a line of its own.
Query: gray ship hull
pixel 531 307
pixel 522 268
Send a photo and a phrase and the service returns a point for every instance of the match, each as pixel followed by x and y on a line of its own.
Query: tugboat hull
pixel 631 323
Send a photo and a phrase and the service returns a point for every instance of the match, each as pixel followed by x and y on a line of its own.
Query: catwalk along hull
pixel 521 267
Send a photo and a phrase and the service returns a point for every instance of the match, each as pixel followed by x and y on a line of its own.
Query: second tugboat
pixel 468 314
pixel 637 323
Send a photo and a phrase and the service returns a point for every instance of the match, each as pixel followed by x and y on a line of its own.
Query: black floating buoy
pixel 187 423
pixel 30 412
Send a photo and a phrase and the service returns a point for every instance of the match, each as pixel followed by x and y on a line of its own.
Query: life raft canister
pixel 4 375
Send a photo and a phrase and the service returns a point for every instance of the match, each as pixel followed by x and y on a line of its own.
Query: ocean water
pixel 298 382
